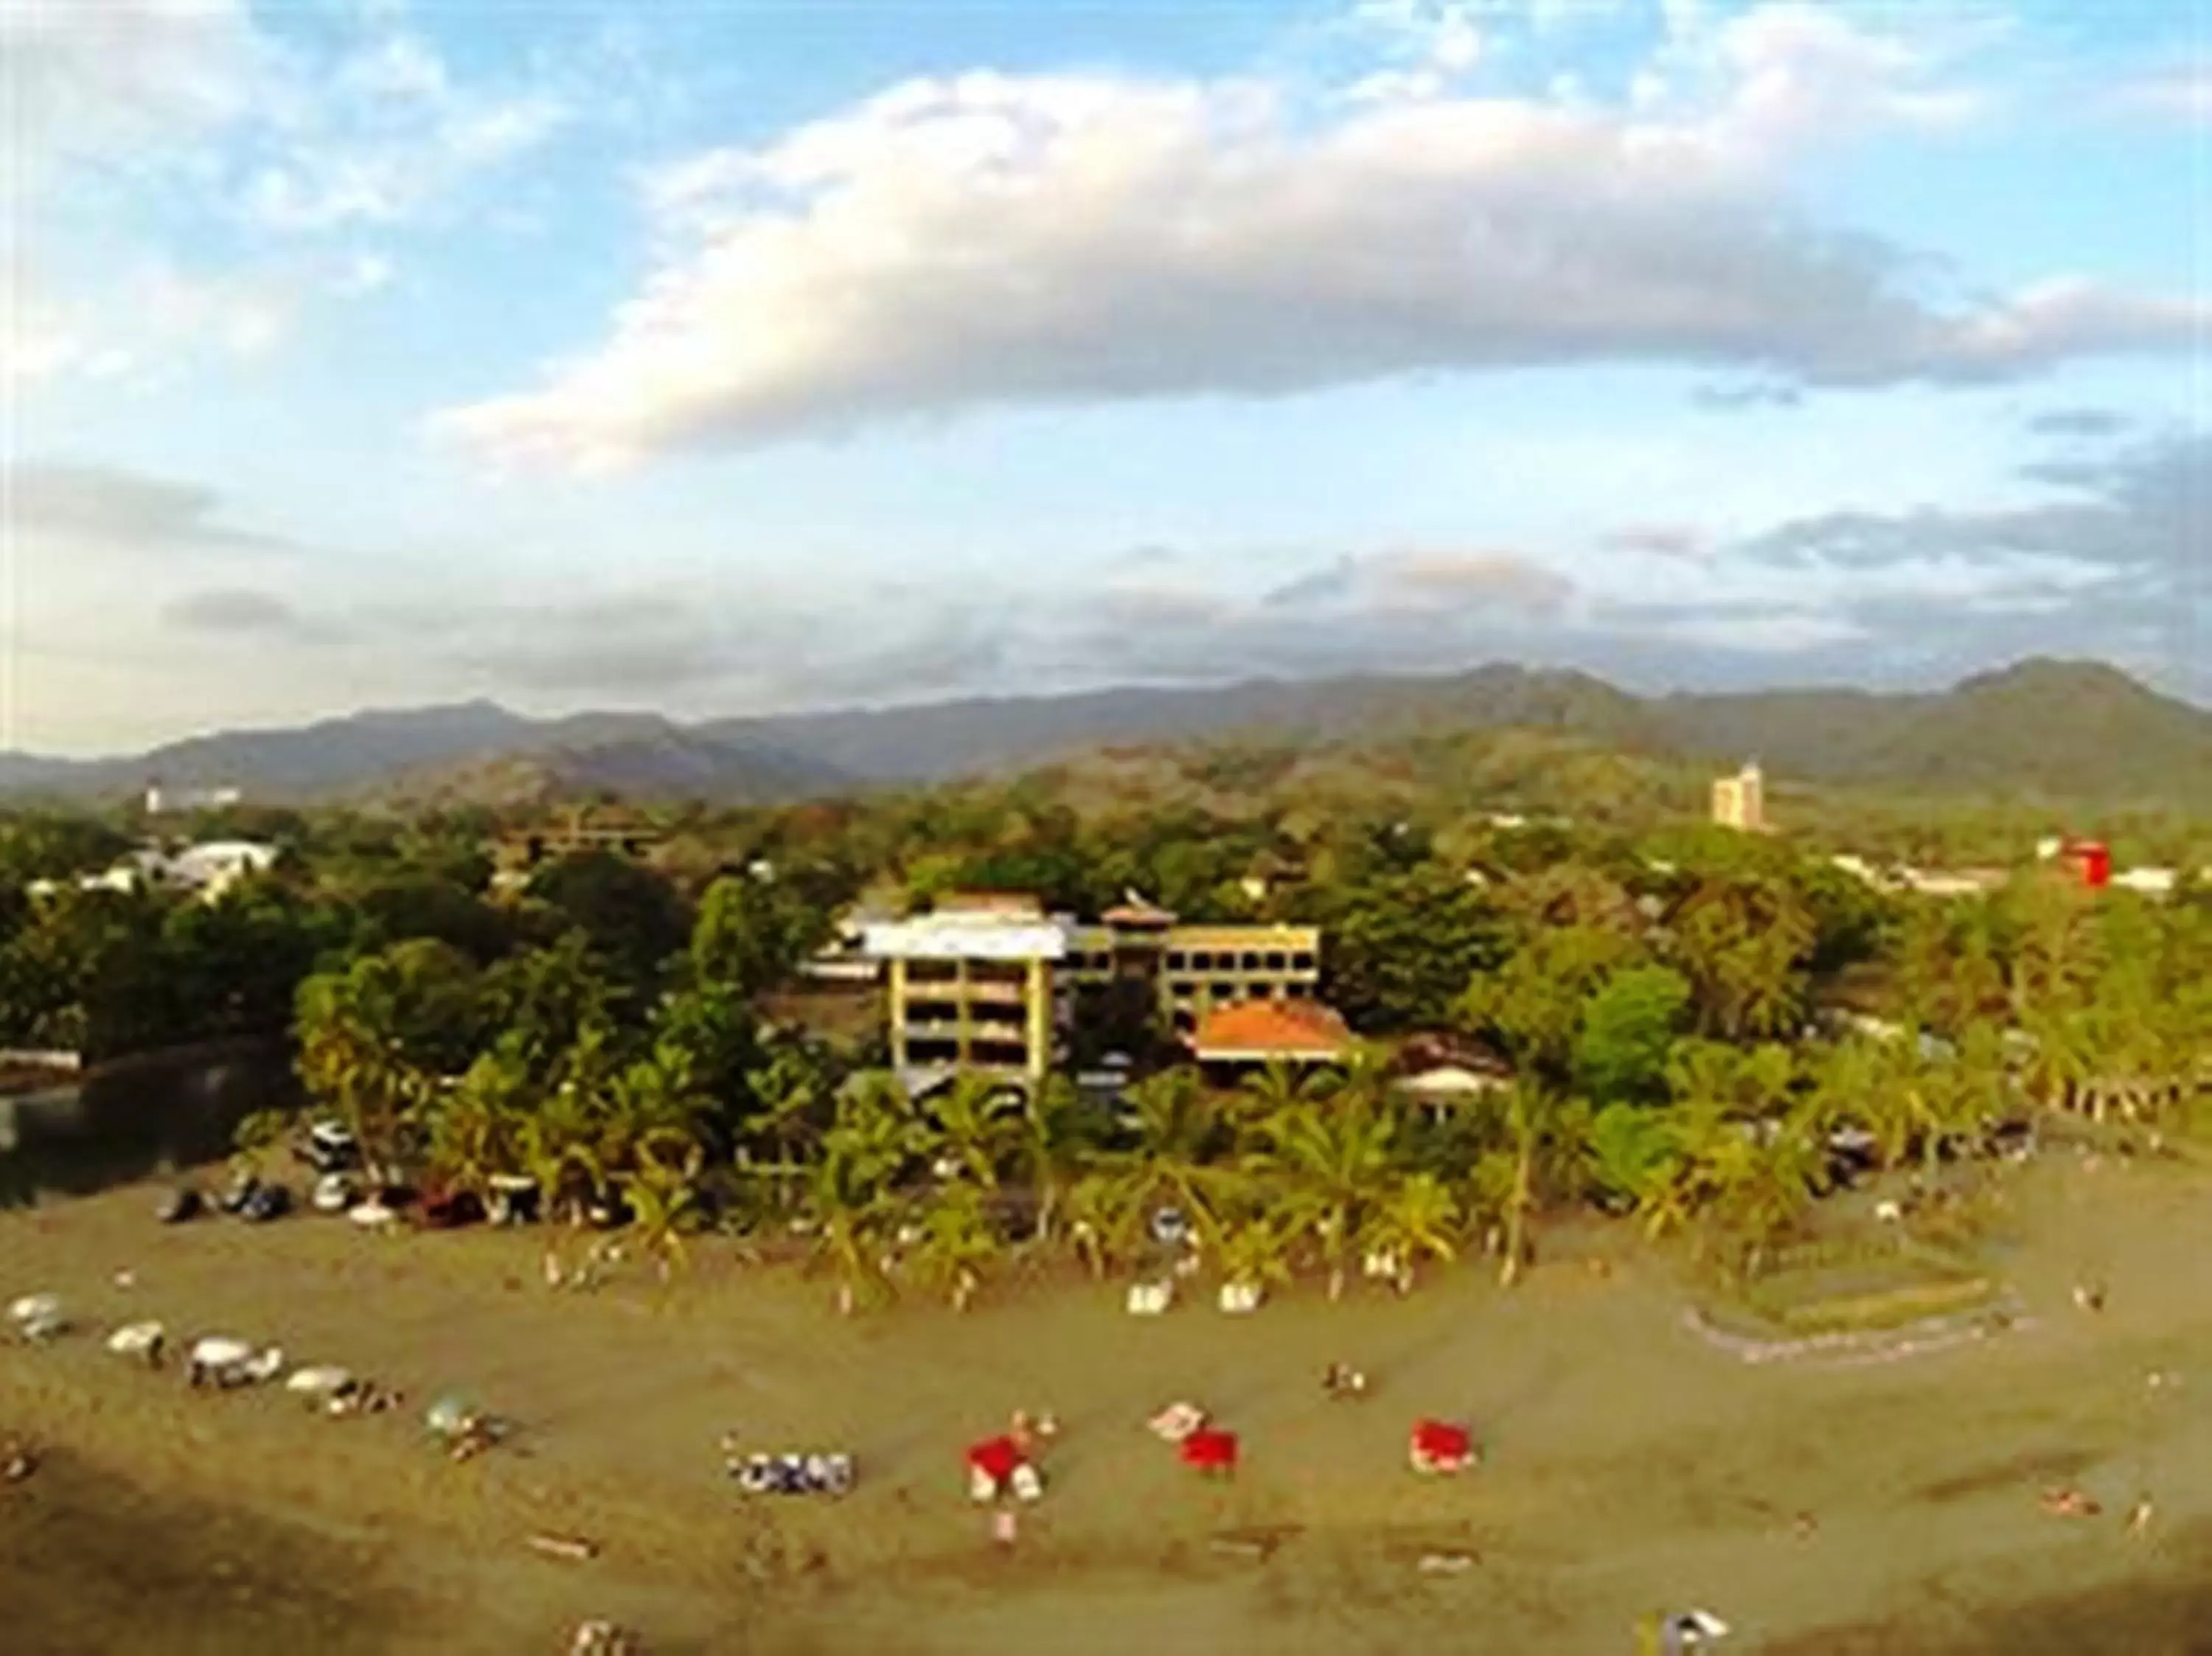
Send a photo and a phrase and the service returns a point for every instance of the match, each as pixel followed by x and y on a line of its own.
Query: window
pixel 1296 991
pixel 1275 961
pixel 1202 961
pixel 1225 991
pixel 1302 962
pixel 932 971
pixel 1176 959
pixel 1251 961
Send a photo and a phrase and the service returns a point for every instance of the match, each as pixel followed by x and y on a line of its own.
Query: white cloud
pixel 106 80
pixel 392 135
pixel 992 240
pixel 147 131
pixel 2182 93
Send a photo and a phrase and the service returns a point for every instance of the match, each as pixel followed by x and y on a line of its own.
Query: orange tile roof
pixel 1261 1028
pixel 989 902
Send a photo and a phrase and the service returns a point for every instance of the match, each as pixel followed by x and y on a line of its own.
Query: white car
pixel 334 1193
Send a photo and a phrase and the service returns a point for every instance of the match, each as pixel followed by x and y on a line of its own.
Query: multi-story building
pixel 1739 801
pixel 971 988
pixel 1197 969
pixel 987 983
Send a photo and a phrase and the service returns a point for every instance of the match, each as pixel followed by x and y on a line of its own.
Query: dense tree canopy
pixel 1689 1014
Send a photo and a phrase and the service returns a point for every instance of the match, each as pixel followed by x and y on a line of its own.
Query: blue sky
pixel 732 358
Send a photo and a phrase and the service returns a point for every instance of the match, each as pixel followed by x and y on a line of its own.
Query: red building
pixel 2091 861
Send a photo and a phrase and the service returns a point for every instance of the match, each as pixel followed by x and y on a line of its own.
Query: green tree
pixel 752 935
pixel 1628 1030
pixel 1402 946
pixel 960 1241
pixel 475 1126
pixel 633 918
pixel 1175 1128
pixel 1416 1219
pixel 1331 1164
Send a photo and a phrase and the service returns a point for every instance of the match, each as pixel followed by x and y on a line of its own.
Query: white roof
pixel 966 937
pixel 1451 1080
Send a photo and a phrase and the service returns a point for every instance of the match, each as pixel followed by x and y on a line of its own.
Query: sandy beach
pixel 1632 1467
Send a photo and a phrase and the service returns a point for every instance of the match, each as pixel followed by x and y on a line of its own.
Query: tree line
pixel 1689 1018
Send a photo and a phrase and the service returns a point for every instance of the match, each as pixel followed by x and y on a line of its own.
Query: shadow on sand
pixel 90 1564
pixel 2168 1614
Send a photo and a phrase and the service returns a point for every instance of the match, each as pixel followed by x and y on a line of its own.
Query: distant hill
pixel 2039 729
pixel 474 753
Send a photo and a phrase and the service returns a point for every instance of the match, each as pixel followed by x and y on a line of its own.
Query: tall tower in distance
pixel 1739 801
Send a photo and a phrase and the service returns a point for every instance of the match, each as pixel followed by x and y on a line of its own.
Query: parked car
pixel 450 1209
pixel 331 1148
pixel 334 1193
pixel 239 1192
pixel 266 1202
pixel 179 1204
pixel 513 1200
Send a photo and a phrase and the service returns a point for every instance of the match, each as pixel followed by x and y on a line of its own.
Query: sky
pixel 737 358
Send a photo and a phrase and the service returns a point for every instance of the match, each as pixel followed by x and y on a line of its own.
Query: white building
pixel 161 800
pixel 1739 801
pixel 208 869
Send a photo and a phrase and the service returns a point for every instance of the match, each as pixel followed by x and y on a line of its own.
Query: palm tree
pixel 1175 1125
pixel 1330 1162
pixel 793 1101
pixel 352 1056
pixel 1256 1252
pixel 557 1153
pixel 959 1241
pixel 1092 1219
pixel 2064 1055
pixel 844 1197
pixel 254 1138
pixel 1526 1109
pixel 972 1129
pixel 1848 1082
pixel 1276 1089
pixel 662 1195
pixel 1627 1150
pixel 1417 1217
pixel 1051 1139
pixel 1764 1181
pixel 473 1127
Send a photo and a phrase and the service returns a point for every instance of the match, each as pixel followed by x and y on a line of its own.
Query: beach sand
pixel 1631 1467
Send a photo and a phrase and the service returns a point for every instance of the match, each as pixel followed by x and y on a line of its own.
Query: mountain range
pixel 2040 728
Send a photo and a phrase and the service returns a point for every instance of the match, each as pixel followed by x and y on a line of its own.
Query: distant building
pixel 163 800
pixel 209 870
pixel 1739 801
pixel 2147 881
pixel 517 855
pixel 1953 882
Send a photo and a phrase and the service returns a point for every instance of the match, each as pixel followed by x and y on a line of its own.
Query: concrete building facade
pixel 1739 801
pixel 970 990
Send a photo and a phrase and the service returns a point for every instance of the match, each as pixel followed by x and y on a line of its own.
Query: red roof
pixel 1138 912
pixel 989 902
pixel 1271 1028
